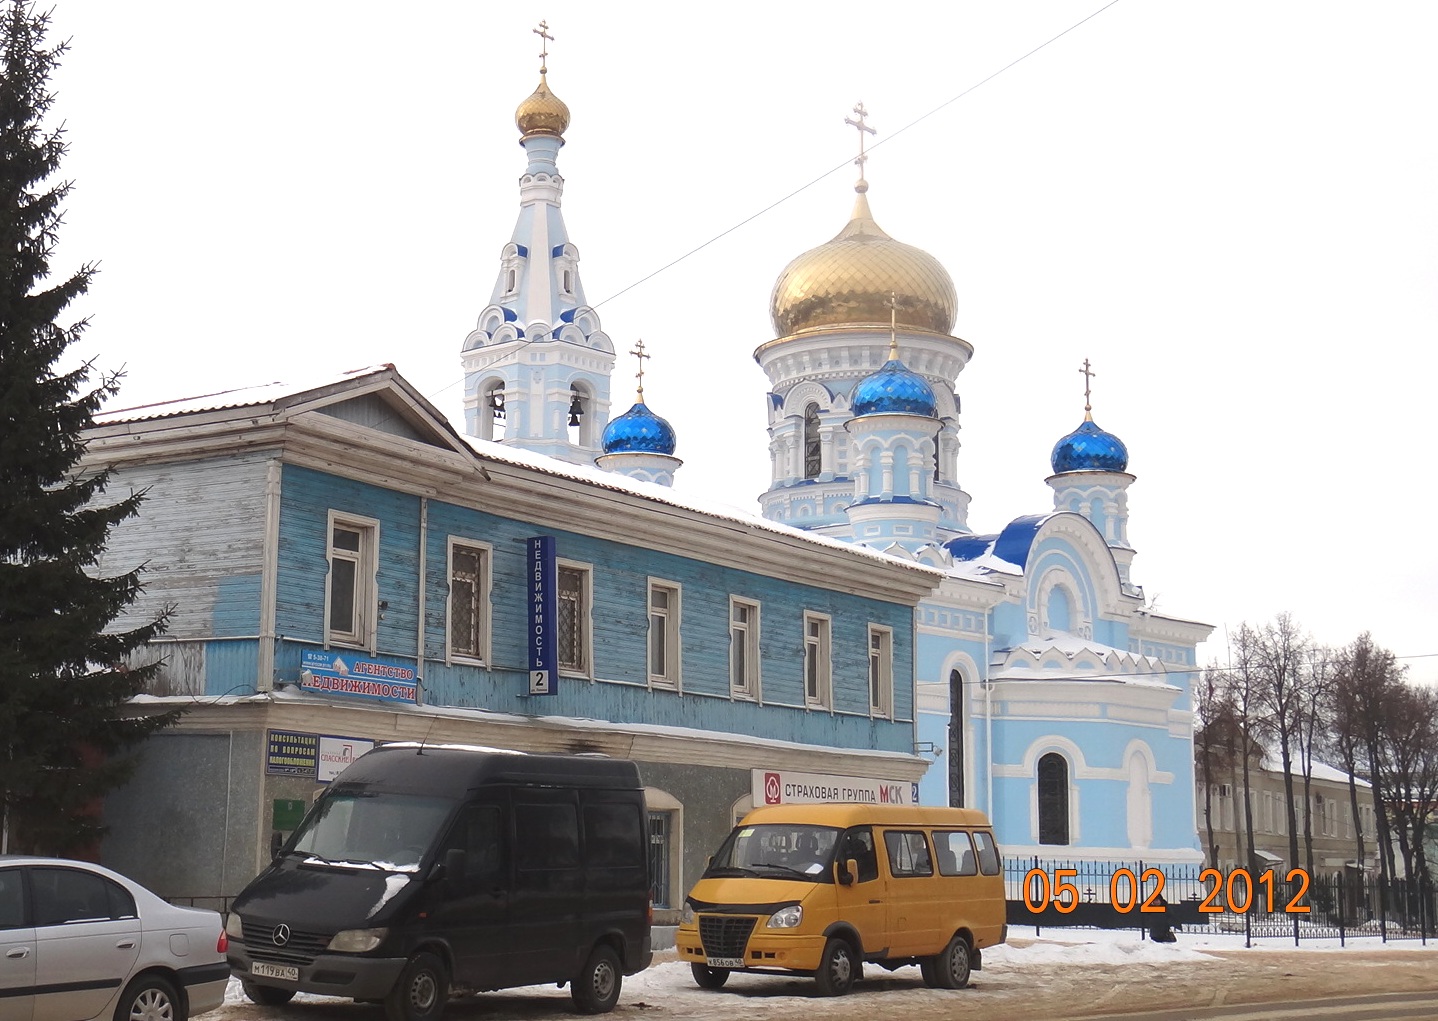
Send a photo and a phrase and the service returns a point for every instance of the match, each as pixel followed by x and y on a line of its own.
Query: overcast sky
pixel 1229 207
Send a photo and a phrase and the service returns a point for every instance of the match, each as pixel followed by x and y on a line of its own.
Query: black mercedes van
pixel 425 869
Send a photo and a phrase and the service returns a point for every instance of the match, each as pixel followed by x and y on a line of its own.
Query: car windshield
pixel 777 851
pixel 378 830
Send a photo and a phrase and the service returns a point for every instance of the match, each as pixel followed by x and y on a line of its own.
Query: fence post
pixel 1037 930
pixel 1342 911
pixel 1382 887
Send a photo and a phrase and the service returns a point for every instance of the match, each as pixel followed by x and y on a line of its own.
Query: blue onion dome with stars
pixel 1090 449
pixel 638 431
pixel 894 390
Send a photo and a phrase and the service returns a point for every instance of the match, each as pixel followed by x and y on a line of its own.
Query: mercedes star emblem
pixel 281 935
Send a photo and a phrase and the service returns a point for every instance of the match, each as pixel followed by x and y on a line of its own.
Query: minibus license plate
pixel 287 972
pixel 726 962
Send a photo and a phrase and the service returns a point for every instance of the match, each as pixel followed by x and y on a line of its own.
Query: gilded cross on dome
pixel 638 353
pixel 863 129
pixel 893 304
pixel 1088 375
pixel 545 39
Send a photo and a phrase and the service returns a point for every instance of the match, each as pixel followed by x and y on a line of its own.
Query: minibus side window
pixel 479 833
pixel 988 853
pixel 955 853
pixel 858 844
pixel 908 853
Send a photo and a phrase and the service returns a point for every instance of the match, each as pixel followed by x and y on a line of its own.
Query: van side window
pixel 955 853
pixel 479 833
pixel 908 853
pixel 613 836
pixel 988 853
pixel 548 836
pixel 858 844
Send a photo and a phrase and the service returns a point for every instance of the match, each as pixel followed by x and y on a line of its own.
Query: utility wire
pixel 832 170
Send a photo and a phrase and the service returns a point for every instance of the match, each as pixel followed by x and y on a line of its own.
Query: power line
pixel 805 187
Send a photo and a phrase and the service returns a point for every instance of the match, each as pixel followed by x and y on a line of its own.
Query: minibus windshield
pixel 372 830
pixel 777 851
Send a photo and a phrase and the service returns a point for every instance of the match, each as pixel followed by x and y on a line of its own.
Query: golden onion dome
pixel 542 113
pixel 851 280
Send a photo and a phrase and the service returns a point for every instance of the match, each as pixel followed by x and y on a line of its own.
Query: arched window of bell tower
pixel 813 446
pixel 579 416
pixel 492 421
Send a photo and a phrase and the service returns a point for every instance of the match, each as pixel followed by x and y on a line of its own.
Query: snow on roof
pixel 239 397
pixel 1085 659
pixel 1273 762
pixel 592 475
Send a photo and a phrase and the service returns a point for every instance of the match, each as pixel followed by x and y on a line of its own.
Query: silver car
pixel 78 941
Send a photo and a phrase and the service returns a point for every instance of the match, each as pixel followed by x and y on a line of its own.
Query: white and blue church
pixel 1046 691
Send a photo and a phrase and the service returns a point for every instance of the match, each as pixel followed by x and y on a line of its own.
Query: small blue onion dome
pixel 1090 449
pixel 639 430
pixel 894 390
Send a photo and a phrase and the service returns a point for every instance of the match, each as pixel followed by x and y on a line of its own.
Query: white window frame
pixel 482 604
pixel 366 588
pixel 821 647
pixel 882 705
pixel 745 635
pixel 666 674
pixel 586 617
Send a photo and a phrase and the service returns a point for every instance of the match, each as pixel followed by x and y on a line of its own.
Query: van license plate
pixel 289 973
pixel 726 962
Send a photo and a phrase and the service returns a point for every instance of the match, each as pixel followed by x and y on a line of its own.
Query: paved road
pixel 1381 1007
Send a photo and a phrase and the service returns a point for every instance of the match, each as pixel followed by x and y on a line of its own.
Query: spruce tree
pixel 65 740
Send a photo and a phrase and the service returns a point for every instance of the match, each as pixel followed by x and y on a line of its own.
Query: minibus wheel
pixel 595 990
pixel 420 992
pixel 837 968
pixel 706 977
pixel 953 965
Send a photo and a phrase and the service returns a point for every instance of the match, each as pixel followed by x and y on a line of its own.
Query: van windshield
pixel 777 851
pixel 372 830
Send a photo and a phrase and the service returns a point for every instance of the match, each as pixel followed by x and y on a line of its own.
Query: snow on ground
pixel 1026 962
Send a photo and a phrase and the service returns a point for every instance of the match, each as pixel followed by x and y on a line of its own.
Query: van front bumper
pixel 360 978
pixel 764 949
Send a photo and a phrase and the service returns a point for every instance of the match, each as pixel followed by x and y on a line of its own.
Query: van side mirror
pixel 846 872
pixel 454 862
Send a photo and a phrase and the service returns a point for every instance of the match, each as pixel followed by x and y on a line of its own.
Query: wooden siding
pixel 199 536
pixel 620 623
pixel 374 412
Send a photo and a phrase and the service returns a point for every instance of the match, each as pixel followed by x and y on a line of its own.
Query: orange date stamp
pixel 1235 891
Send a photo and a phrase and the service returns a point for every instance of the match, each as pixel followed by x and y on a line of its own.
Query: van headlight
pixel 687 916
pixel 234 928
pixel 357 941
pixel 787 918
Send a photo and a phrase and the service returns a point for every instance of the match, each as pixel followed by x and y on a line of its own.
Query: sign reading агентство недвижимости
pixel 336 672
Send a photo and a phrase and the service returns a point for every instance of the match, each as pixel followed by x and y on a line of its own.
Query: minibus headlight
pixel 687 916
pixel 357 941
pixel 234 928
pixel 787 918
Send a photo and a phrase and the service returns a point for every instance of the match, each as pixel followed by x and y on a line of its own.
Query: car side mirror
pixel 846 872
pixel 453 865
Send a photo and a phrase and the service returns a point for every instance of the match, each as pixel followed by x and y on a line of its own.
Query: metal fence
pixel 1267 904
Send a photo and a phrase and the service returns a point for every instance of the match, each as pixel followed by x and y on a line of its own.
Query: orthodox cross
pixel 545 39
pixel 863 128
pixel 1088 375
pixel 638 352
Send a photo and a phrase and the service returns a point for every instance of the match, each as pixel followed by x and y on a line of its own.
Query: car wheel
pixel 838 968
pixel 150 998
pixel 953 965
pixel 266 996
pixel 706 977
pixel 420 992
pixel 595 990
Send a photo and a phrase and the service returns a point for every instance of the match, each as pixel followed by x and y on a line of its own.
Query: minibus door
pixel 472 909
pixel 864 903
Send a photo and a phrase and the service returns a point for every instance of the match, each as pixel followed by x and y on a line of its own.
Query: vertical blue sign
pixel 543 619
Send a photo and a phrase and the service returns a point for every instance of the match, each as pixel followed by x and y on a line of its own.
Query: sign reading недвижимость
pixel 786 787
pixel 543 643
pixel 332 672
